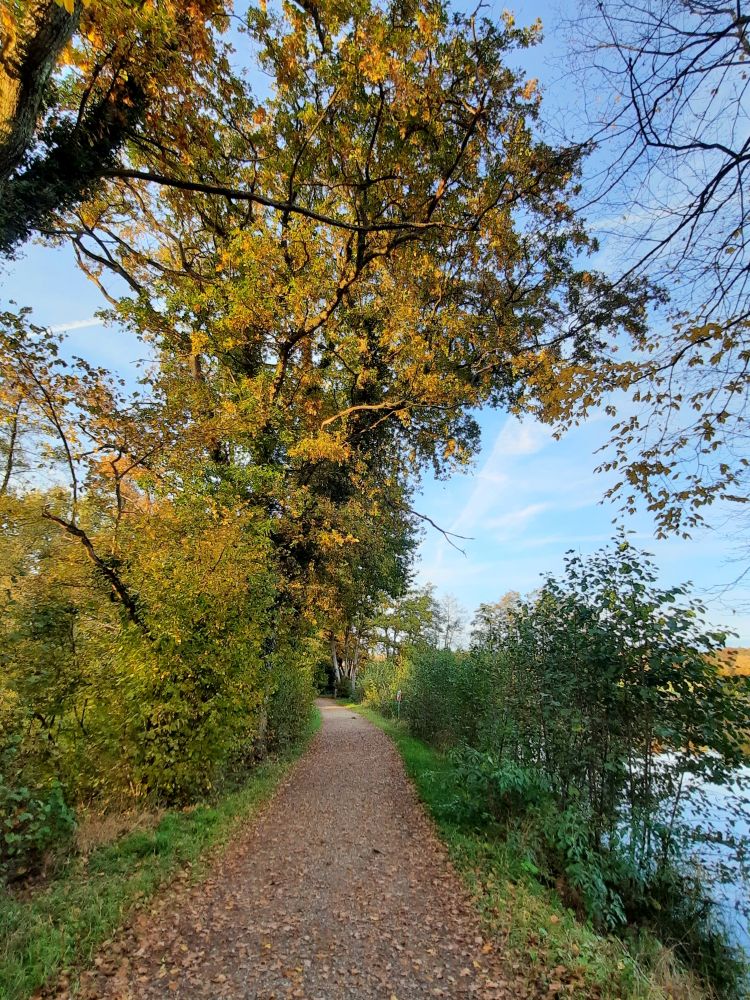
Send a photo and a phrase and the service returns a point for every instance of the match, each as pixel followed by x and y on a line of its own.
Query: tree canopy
pixel 332 274
pixel 334 265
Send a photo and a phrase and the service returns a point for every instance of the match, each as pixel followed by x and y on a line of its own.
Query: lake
pixel 721 809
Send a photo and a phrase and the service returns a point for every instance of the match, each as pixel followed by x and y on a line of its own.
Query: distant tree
pixel 407 620
pixel 491 621
pixel 449 621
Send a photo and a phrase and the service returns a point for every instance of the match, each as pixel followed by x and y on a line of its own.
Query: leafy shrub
pixel 494 790
pixel 497 791
pixel 33 821
pixel 343 688
pixel 593 881
pixel 445 696
pixel 582 716
pixel 380 681
pixel 289 704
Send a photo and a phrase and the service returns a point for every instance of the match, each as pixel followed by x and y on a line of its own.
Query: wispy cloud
pixel 515 440
pixel 518 437
pixel 516 520
pixel 77 324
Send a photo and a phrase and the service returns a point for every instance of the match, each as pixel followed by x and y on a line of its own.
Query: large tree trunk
pixel 354 668
pixel 30 51
pixel 335 659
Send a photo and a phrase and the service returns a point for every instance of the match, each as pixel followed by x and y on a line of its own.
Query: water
pixel 723 810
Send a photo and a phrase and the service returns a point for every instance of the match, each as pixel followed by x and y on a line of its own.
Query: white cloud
pixel 519 437
pixel 78 324
pixel 516 520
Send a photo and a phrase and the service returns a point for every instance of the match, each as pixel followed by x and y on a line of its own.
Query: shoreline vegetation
pixel 578 736
pixel 547 945
pixel 53 929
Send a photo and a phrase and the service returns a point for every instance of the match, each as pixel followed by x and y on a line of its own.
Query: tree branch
pixel 120 589
pixel 239 194
pixel 447 535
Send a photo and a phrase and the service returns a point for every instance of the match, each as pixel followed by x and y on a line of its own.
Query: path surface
pixel 339 889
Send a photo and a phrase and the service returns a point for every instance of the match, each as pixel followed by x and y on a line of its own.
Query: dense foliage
pixel 139 650
pixel 330 275
pixel 580 719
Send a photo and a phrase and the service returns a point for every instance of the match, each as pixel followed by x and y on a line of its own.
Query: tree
pixel 140 594
pixel 450 618
pixel 33 42
pixel 408 620
pixel 591 712
pixel 674 80
pixel 491 622
pixel 667 87
pixel 78 79
pixel 370 252
pixel 396 173
pixel 364 572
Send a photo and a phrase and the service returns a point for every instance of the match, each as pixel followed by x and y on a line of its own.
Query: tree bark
pixel 11 450
pixel 30 52
pixel 335 659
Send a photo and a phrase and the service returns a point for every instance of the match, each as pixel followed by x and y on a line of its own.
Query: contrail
pixel 79 324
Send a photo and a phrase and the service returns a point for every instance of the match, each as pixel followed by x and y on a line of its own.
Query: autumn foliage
pixel 331 274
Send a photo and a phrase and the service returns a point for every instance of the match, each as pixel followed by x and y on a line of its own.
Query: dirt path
pixel 339 889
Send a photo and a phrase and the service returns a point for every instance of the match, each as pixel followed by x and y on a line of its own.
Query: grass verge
pixel 58 928
pixel 545 945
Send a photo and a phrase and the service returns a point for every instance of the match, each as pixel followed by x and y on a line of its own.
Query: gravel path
pixel 339 889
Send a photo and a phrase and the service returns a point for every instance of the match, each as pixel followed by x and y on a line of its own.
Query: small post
pixel 398 704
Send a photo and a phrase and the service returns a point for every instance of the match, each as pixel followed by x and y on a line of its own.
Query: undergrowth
pixel 543 941
pixel 56 929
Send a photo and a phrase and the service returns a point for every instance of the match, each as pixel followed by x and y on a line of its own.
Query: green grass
pixel 58 928
pixel 542 941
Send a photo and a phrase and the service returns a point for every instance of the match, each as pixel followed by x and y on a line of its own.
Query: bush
pixel 445 697
pixel 581 717
pixel 290 702
pixel 380 681
pixel 343 688
pixel 33 821
pixel 493 790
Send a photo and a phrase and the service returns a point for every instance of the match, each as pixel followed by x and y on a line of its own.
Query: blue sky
pixel 530 498
pixel 525 502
